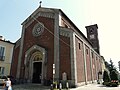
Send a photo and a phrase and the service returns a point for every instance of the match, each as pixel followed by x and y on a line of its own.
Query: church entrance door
pixel 37 72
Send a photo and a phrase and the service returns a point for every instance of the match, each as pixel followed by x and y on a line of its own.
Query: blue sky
pixel 14 12
pixel 105 13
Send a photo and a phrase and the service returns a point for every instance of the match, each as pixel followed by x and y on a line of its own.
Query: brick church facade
pixel 50 38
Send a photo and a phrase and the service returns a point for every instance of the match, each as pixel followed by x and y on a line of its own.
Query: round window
pixel 38 29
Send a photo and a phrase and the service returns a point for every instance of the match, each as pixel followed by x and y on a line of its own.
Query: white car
pixel 3 79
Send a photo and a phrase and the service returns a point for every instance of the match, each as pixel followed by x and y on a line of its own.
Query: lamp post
pixel 54 84
pixel 53 72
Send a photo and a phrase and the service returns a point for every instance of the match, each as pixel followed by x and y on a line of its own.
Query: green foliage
pixel 110 66
pixel 114 75
pixel 106 76
pixel 111 78
pixel 106 83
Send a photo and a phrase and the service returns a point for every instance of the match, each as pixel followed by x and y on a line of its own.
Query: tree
pixel 114 78
pixel 106 76
pixel 110 66
pixel 114 75
pixel 111 78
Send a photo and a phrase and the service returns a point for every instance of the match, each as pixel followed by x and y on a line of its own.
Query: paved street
pixel 29 87
pixel 96 87
pixel 40 87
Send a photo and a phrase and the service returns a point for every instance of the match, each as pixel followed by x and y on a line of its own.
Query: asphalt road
pixel 28 87
pixel 96 87
pixel 40 87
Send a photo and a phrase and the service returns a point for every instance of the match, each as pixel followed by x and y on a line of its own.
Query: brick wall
pixel 14 64
pixel 79 61
pixel 88 67
pixel 94 66
pixel 65 62
pixel 45 40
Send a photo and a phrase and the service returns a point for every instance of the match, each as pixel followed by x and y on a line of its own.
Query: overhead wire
pixel 51 32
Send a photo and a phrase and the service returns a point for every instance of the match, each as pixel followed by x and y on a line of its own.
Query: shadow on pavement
pixel 30 87
pixel 107 86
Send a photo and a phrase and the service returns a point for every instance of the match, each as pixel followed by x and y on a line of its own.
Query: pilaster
pixel 85 69
pixel 73 59
pixel 20 53
pixel 91 68
pixel 56 45
pixel 96 68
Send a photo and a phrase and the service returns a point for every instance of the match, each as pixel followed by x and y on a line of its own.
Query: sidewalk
pixel 41 87
pixel 86 86
pixel 30 87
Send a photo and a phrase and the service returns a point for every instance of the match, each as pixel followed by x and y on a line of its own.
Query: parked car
pixel 3 79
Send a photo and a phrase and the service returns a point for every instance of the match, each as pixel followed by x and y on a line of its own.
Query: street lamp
pixel 53 72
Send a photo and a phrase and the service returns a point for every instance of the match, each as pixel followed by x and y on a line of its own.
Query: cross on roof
pixel 40 3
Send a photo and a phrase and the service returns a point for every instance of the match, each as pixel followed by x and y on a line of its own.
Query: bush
pixel 107 83
pixel 114 75
pixel 110 80
pixel 106 76
pixel 114 78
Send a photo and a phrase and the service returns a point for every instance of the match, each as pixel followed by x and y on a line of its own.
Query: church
pixel 52 48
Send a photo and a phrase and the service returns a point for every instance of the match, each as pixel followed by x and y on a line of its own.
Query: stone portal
pixel 35 68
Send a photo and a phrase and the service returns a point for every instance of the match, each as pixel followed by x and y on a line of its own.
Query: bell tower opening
pixel 92 35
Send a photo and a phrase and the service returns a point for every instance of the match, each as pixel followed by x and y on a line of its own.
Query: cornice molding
pixel 40 12
pixel 65 32
pixel 32 18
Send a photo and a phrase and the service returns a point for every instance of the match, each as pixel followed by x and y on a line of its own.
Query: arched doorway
pixel 35 67
pixel 37 72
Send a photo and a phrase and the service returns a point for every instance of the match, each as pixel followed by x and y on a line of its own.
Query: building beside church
pixel 6 51
pixel 51 47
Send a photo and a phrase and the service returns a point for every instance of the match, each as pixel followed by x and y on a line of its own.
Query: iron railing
pixel 2 58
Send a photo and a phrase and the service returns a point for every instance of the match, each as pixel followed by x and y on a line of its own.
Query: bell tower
pixel 92 35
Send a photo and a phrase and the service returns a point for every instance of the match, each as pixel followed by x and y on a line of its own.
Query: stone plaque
pixel 64 76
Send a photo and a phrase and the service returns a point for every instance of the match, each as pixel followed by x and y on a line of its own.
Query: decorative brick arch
pixel 30 56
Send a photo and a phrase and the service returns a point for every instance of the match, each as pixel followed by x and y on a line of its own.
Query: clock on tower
pixel 92 35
